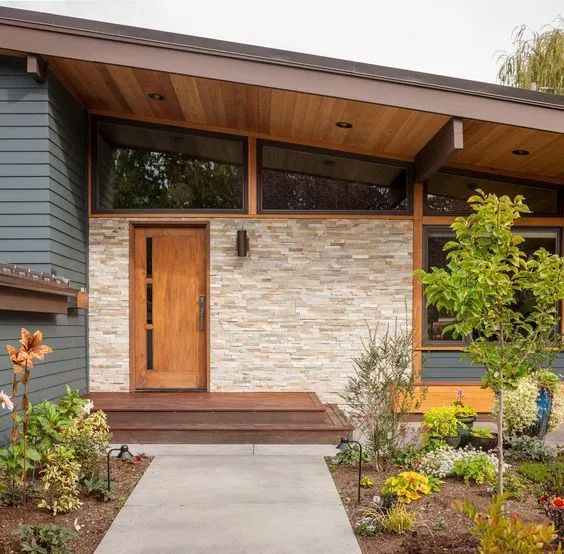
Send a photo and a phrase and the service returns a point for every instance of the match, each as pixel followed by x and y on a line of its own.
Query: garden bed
pixel 438 528
pixel 94 516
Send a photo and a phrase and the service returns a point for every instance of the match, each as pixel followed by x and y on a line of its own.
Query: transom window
pixel 435 321
pixel 301 179
pixel 447 193
pixel 143 167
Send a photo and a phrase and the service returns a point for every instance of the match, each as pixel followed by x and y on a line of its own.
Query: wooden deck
pixel 221 417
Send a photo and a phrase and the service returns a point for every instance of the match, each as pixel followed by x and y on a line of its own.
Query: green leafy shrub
pixel 499 533
pixel 482 432
pixel 439 423
pixel 97 487
pixel 72 405
pixel 366 482
pixel 479 469
pixel 46 421
pixel 12 491
pixel 515 486
pixel 547 379
pixel 548 477
pixel 350 457
pixel 406 457
pixel 45 539
pixel 409 486
pixel 88 436
pixel 60 481
pixel 531 448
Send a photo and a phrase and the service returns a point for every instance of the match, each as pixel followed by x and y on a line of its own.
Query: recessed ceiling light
pixel 155 96
pixel 520 152
pixel 343 124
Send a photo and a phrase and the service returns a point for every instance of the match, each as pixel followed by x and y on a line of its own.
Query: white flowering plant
pixel 442 462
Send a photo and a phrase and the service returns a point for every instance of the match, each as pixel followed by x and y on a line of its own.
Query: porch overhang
pixel 294 97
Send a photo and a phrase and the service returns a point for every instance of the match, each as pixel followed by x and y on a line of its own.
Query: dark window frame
pixel 172 128
pixel 427 230
pixel 340 154
pixel 501 179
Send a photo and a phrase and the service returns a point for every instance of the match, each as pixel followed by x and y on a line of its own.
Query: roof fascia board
pixel 57 41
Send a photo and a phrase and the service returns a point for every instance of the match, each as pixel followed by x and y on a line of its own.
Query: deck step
pixel 288 418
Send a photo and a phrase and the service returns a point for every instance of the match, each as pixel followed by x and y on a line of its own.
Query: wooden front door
pixel 170 307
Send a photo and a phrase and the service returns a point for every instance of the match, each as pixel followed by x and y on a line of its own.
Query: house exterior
pixel 237 215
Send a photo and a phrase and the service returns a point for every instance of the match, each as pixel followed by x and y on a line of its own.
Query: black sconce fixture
pixel 124 454
pixel 242 243
pixel 345 445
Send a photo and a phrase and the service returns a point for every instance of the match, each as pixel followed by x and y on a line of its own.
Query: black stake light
pixel 124 454
pixel 345 445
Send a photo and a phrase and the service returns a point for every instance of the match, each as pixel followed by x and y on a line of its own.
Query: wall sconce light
pixel 242 243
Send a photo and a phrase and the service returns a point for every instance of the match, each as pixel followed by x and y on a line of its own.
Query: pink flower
pixel 6 402
pixel 459 394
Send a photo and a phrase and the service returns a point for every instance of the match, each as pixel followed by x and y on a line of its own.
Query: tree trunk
pixel 500 442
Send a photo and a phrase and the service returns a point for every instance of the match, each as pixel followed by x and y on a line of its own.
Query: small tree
pixel 485 275
pixel 382 391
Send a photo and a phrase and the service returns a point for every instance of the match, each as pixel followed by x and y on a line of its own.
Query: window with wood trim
pixel 435 238
pixel 142 167
pixel 446 193
pixel 302 179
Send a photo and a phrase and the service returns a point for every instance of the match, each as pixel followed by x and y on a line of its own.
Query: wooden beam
pixel 37 66
pixel 439 150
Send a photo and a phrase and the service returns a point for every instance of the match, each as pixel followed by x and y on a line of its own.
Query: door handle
pixel 202 311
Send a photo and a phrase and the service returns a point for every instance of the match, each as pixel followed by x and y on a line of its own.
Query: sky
pixel 445 37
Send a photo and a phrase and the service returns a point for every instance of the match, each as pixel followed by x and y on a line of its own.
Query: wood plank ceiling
pixel 304 118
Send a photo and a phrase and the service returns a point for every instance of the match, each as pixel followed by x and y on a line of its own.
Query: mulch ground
pixel 439 527
pixel 94 517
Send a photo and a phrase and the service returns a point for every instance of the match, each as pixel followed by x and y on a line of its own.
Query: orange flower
pixel 558 502
pixel 31 348
pixel 32 345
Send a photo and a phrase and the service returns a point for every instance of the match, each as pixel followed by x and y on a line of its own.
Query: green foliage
pixel 485 276
pixel 72 405
pixel 519 407
pixel 439 423
pixel 97 487
pixel 406 457
pixel 46 421
pixel 547 379
pixel 478 469
pixel 13 458
pixel 366 482
pixel 88 436
pixel 382 393
pixel 499 534
pixel 482 432
pixel 463 411
pixel 350 457
pixel 398 519
pixel 548 477
pixel 537 60
pixel 515 486
pixel 531 448
pixel 45 539
pixel 60 481
pixel 410 485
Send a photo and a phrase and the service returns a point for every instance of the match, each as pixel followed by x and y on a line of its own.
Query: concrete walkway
pixel 233 499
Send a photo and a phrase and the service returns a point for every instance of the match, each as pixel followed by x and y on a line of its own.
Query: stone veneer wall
pixel 289 317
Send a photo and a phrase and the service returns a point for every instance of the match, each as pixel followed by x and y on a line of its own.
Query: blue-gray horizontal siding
pixel 450 366
pixel 43 219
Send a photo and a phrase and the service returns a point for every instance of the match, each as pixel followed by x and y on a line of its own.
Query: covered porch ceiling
pixel 207 84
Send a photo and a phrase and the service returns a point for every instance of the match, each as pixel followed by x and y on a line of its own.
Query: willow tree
pixel 537 59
